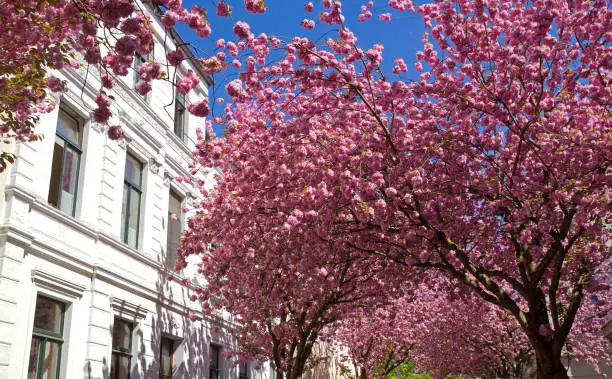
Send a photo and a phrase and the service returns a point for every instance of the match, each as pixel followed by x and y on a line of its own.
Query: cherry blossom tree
pixel 375 342
pixel 441 327
pixel 493 168
pixel 459 333
pixel 39 36
pixel 284 300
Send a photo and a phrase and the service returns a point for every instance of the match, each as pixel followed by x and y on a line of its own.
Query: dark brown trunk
pixel 298 368
pixel 548 360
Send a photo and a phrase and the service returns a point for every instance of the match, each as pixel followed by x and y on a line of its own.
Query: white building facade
pixel 88 235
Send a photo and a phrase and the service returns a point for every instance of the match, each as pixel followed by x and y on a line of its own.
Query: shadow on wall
pixel 189 345
pixel 87 369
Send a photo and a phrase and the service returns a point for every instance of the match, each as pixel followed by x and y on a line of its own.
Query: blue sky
pixel 401 37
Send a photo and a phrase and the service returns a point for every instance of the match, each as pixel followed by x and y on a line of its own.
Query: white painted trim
pixel 56 284
pixel 122 308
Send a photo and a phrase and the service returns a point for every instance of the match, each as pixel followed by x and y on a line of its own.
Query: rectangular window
pixel 46 345
pixel 167 357
pixel 122 349
pixel 130 208
pixel 65 163
pixel 179 115
pixel 175 227
pixel 139 60
pixel 242 371
pixel 214 361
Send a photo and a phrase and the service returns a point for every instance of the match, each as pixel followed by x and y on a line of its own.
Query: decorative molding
pixel 125 308
pixel 191 197
pixel 57 284
pixel 167 178
pixel 155 163
pixel 100 128
pixel 124 141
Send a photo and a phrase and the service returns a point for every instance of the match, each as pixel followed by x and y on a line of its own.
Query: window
pixel 242 371
pixel 65 163
pixel 130 208
pixel 167 357
pixel 122 349
pixel 139 60
pixel 179 115
pixel 46 345
pixel 175 227
pixel 214 361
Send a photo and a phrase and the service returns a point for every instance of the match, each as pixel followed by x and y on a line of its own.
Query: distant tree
pixel 285 300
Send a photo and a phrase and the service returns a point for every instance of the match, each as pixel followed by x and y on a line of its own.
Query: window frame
pixel 117 352
pixel 173 346
pixel 246 371
pixel 139 60
pixel 46 335
pixel 179 101
pixel 173 193
pixel 138 188
pixel 217 367
pixel 78 148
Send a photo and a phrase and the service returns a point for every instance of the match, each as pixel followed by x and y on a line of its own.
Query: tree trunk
pixel 299 364
pixel 549 365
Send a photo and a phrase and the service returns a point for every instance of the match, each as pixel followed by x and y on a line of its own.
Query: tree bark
pixel 548 360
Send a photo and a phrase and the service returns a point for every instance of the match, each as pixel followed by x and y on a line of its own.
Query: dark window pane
pixel 124 210
pixel 133 170
pixel 69 180
pixel 68 128
pixel 56 172
pixel 214 361
pixel 133 218
pixel 34 355
pixel 214 356
pixel 123 371
pixel 167 347
pixel 179 115
pixel 50 361
pixel 139 60
pixel 48 315
pixel 130 207
pixel 65 163
pixel 175 227
pixel 122 335
pixel 120 367
pixel 242 371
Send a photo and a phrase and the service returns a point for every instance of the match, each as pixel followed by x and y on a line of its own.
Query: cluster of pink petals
pixel 223 9
pixel 255 6
pixel 199 109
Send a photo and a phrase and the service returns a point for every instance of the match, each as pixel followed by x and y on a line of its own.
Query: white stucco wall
pixel 81 261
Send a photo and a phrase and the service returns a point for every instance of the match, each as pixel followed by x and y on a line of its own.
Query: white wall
pixel 81 261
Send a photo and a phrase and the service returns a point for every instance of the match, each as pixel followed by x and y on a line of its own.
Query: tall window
pixel 122 349
pixel 214 361
pixel 130 211
pixel 167 358
pixel 242 371
pixel 65 163
pixel 46 345
pixel 175 227
pixel 179 115
pixel 139 60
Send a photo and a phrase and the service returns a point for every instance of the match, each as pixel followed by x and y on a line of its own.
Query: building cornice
pixel 56 284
